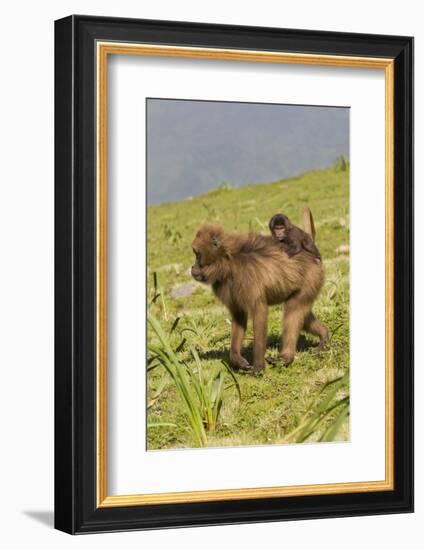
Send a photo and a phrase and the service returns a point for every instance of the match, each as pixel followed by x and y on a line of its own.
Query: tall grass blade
pixel 334 428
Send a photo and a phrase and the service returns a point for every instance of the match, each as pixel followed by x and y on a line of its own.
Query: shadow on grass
pixel 303 344
pixel 273 342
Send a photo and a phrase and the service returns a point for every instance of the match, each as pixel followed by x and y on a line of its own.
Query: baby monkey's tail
pixel 308 222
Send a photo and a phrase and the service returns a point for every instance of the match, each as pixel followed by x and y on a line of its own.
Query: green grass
pixel 285 402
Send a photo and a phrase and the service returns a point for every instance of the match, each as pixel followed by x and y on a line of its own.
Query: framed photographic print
pixel 234 274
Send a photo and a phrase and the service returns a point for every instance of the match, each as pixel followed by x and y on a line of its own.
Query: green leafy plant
pixel 171 234
pixel 210 390
pixel 341 164
pixel 159 293
pixel 202 394
pixel 211 212
pixel 331 402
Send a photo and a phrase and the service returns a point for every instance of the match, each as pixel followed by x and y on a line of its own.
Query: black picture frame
pixel 76 510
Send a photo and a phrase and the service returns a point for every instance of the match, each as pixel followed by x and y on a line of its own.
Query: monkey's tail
pixel 308 222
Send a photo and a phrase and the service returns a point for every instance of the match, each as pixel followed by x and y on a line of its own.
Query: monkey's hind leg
pixel 295 312
pixel 317 328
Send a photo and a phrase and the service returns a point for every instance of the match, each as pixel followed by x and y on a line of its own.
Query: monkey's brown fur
pixel 249 272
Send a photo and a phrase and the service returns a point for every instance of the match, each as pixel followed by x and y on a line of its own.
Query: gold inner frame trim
pixel 120 48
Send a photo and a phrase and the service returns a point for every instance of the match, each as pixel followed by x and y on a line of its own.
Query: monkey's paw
pixel 240 363
pixel 258 369
pixel 321 347
pixel 286 357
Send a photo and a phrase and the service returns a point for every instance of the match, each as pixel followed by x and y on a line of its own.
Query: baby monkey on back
pixel 291 238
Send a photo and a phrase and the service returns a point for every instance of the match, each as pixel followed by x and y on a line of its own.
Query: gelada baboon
pixel 249 272
pixel 291 238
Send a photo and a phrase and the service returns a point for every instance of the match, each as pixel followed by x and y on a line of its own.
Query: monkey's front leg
pixel 260 318
pixel 238 329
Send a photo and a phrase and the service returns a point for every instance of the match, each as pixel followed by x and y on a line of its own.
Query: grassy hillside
pixel 275 404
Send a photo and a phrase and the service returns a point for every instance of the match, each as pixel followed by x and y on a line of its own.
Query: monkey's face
pixel 279 225
pixel 279 232
pixel 207 250
pixel 196 268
